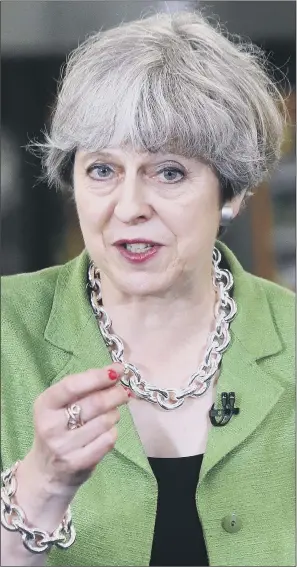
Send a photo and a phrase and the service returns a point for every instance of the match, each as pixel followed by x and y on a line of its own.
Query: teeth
pixel 137 247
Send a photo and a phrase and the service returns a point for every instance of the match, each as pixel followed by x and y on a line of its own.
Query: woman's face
pixel 149 221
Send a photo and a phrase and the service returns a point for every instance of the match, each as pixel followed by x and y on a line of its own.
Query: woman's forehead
pixel 127 153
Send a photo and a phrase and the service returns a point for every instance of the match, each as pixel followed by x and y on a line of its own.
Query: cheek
pixel 194 217
pixel 91 219
pixel 91 212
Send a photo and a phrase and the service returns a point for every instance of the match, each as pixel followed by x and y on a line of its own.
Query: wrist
pixel 41 533
pixel 44 503
pixel 49 488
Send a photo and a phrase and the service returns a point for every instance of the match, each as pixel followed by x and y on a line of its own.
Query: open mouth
pixel 137 251
pixel 138 247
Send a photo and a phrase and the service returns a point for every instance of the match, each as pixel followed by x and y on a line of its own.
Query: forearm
pixel 42 510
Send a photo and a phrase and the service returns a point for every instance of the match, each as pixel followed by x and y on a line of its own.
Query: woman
pixel 161 128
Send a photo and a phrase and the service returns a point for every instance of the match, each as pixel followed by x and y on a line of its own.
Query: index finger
pixel 76 386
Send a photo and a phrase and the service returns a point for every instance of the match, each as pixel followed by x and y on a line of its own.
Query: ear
pixel 236 204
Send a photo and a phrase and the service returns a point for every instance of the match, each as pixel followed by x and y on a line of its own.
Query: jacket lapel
pixel 72 327
pixel 253 337
pixel 256 394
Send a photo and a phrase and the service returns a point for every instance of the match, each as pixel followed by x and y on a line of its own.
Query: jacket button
pixel 232 523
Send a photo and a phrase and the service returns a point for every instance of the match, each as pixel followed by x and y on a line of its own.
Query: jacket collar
pixel 71 310
pixel 253 325
pixel 72 327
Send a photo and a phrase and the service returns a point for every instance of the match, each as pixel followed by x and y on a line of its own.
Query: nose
pixel 132 204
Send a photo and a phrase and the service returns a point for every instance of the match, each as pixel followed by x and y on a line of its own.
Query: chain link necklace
pixel 218 341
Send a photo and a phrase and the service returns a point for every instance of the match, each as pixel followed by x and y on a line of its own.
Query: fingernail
pixel 112 374
pixel 128 391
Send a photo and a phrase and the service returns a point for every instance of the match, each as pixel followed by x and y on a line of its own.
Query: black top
pixel 178 537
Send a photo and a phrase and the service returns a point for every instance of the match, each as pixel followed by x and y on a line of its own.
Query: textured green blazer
pixel 49 331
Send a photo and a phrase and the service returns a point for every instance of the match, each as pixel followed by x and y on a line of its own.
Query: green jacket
pixel 49 331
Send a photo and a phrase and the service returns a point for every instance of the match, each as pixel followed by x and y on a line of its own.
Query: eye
pixel 100 171
pixel 172 174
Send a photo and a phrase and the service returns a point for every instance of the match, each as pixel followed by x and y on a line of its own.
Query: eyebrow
pixel 108 155
pixel 98 154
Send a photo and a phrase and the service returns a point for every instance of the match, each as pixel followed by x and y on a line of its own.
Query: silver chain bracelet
pixel 13 519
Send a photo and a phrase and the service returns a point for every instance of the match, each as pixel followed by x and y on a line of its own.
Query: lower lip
pixel 140 257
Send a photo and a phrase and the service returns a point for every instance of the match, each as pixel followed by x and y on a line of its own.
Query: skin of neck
pixel 164 321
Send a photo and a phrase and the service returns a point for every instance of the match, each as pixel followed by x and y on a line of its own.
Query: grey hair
pixel 169 83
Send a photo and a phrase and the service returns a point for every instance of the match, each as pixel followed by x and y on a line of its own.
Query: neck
pixel 160 322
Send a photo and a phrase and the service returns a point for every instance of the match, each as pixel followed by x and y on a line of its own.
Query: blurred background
pixel 39 227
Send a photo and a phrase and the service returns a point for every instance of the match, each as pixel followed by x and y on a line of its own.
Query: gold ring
pixel 74 420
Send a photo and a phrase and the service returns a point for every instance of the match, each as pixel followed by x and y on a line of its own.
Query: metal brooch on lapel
pixel 227 411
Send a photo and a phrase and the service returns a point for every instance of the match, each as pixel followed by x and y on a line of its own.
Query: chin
pixel 142 284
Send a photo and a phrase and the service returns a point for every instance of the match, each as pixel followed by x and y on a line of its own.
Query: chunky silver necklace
pixel 218 341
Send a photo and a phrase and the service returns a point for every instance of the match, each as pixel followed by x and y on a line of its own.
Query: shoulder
pixel 28 296
pixel 265 304
pixel 281 302
pixel 265 321
pixel 34 281
pixel 33 302
pixel 268 325
pixel 27 299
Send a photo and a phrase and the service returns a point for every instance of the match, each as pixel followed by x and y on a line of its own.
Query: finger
pixel 99 403
pixel 95 405
pixel 89 456
pixel 91 430
pixel 76 386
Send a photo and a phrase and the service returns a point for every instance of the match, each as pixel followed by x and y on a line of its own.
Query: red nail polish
pixel 112 374
pixel 128 391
